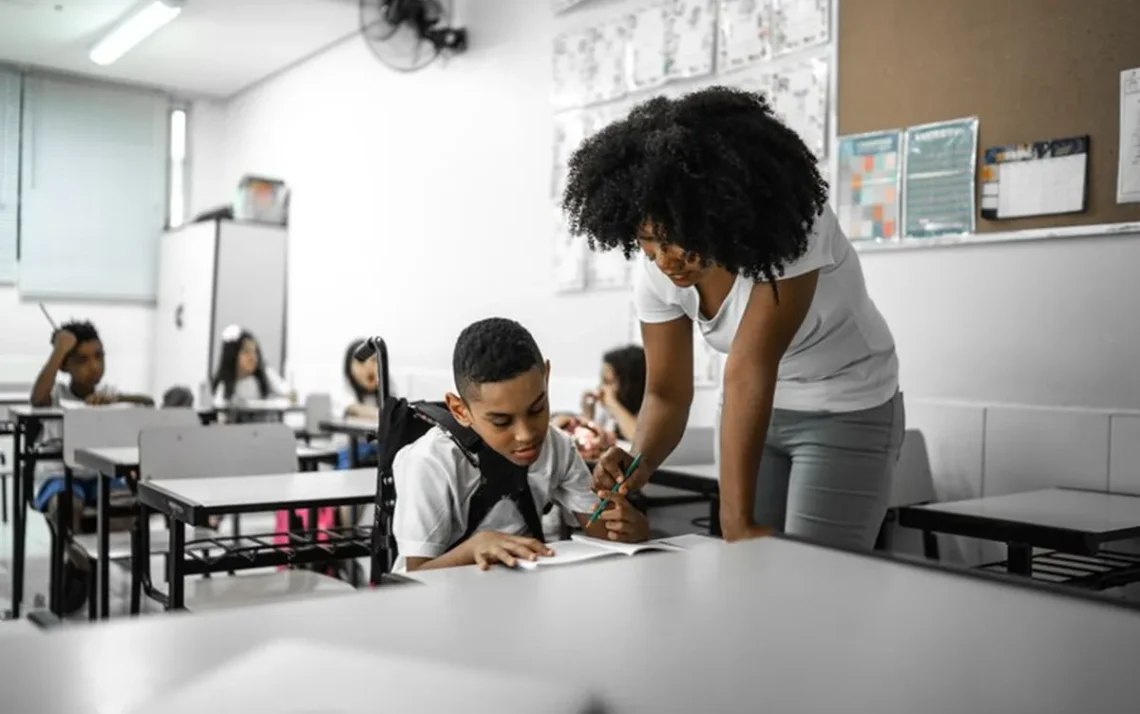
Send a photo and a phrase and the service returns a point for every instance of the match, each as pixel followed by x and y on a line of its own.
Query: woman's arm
pixel 668 390
pixel 750 372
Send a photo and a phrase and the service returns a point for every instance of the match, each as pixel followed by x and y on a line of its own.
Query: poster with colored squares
pixel 867 188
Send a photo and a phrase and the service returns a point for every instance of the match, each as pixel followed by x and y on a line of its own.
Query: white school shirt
pixel 52 431
pixel 435 483
pixel 246 389
pixel 842 359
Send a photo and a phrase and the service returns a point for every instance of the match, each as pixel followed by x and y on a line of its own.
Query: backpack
pixel 402 423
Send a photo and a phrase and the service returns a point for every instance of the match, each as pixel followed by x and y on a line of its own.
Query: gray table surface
pixel 106 459
pixel 1085 511
pixel 300 488
pixel 351 427
pixel 27 410
pixel 761 626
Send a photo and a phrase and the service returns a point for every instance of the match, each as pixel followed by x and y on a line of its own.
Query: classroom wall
pixel 420 202
pixel 206 155
pixel 1019 362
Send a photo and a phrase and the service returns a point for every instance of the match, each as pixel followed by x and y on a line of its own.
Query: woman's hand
pixel 733 532
pixel 611 468
pixel 621 521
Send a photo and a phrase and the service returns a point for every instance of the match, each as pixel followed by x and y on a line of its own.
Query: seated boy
pixel 78 352
pixel 501 382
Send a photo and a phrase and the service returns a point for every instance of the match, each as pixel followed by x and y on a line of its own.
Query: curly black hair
pixel 83 330
pixel 714 172
pixel 493 350
pixel 628 364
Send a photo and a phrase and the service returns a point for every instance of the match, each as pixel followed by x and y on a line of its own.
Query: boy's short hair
pixel 177 397
pixel 493 350
pixel 83 330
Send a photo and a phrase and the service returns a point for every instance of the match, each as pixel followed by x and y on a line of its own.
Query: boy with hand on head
pixel 501 381
pixel 77 351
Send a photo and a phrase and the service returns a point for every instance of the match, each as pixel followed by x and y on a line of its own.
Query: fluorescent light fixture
pixel 134 29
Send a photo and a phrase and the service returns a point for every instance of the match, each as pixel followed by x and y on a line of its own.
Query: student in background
pixel 242 375
pixel 501 382
pixel 609 413
pixel 77 352
pixel 363 379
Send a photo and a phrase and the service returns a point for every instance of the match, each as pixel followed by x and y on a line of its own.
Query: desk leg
pixel 139 555
pixel 17 519
pixel 176 565
pixel 1019 559
pixel 63 526
pixel 714 516
pixel 102 528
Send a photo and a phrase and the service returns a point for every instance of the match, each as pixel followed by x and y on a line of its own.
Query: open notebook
pixel 580 548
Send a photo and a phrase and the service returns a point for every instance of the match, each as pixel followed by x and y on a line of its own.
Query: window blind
pixel 94 189
pixel 9 172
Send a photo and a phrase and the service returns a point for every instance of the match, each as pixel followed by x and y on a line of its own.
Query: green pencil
pixel 602 506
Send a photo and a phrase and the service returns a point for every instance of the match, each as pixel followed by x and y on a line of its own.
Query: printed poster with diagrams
pixel 690 39
pixel 799 99
pixel 645 51
pixel 1128 170
pixel 870 171
pixel 799 24
pixel 743 34
pixel 569 253
pixel 573 67
pixel 570 130
pixel 611 41
pixel 938 178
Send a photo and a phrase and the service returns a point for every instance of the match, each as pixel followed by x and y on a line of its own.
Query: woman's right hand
pixel 611 468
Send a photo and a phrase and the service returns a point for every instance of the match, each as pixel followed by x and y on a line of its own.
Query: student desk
pixel 123 462
pixel 258 409
pixel 356 430
pixel 8 399
pixel 1073 524
pixel 27 422
pixel 194 501
pixel 770 625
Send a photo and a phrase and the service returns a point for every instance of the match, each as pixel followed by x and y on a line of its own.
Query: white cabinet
pixel 212 275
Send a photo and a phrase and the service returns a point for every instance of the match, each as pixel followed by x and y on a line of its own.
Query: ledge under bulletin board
pixel 1041 81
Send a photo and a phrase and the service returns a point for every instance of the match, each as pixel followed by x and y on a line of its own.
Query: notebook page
pixel 570 551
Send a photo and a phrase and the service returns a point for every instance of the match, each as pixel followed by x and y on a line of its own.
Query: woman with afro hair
pixel 728 216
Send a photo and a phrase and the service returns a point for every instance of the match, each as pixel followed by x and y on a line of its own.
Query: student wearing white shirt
pixel 728 214
pixel 501 384
pixel 242 375
pixel 362 380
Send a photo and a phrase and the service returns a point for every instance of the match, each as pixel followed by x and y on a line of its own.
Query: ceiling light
pixel 134 29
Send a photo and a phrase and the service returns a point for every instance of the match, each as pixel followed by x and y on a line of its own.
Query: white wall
pixel 420 202
pixel 206 154
pixel 1018 362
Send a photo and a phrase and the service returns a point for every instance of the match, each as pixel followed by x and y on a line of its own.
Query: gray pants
pixel 826 477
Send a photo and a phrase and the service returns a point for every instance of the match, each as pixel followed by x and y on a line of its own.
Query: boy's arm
pixel 484 549
pixel 63 342
pixel 135 399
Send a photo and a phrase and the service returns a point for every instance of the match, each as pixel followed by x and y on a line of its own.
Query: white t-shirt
pixel 435 483
pixel 247 389
pixel 842 359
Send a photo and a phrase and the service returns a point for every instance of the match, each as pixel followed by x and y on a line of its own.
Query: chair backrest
pixel 318 408
pixel 208 451
pixel 913 480
pixel 106 427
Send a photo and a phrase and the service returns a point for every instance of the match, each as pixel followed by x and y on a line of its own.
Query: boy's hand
pixel 622 521
pixel 100 398
pixel 64 341
pixel 490 547
pixel 611 467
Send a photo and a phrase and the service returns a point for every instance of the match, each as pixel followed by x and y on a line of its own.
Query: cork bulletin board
pixel 1030 70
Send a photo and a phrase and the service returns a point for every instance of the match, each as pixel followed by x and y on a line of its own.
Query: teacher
pixel 729 213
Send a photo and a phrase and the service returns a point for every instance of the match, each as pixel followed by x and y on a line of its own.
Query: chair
pixel 318 408
pixel 226 451
pixel 913 484
pixel 87 428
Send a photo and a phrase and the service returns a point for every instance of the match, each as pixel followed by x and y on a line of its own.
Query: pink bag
pixel 326 519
